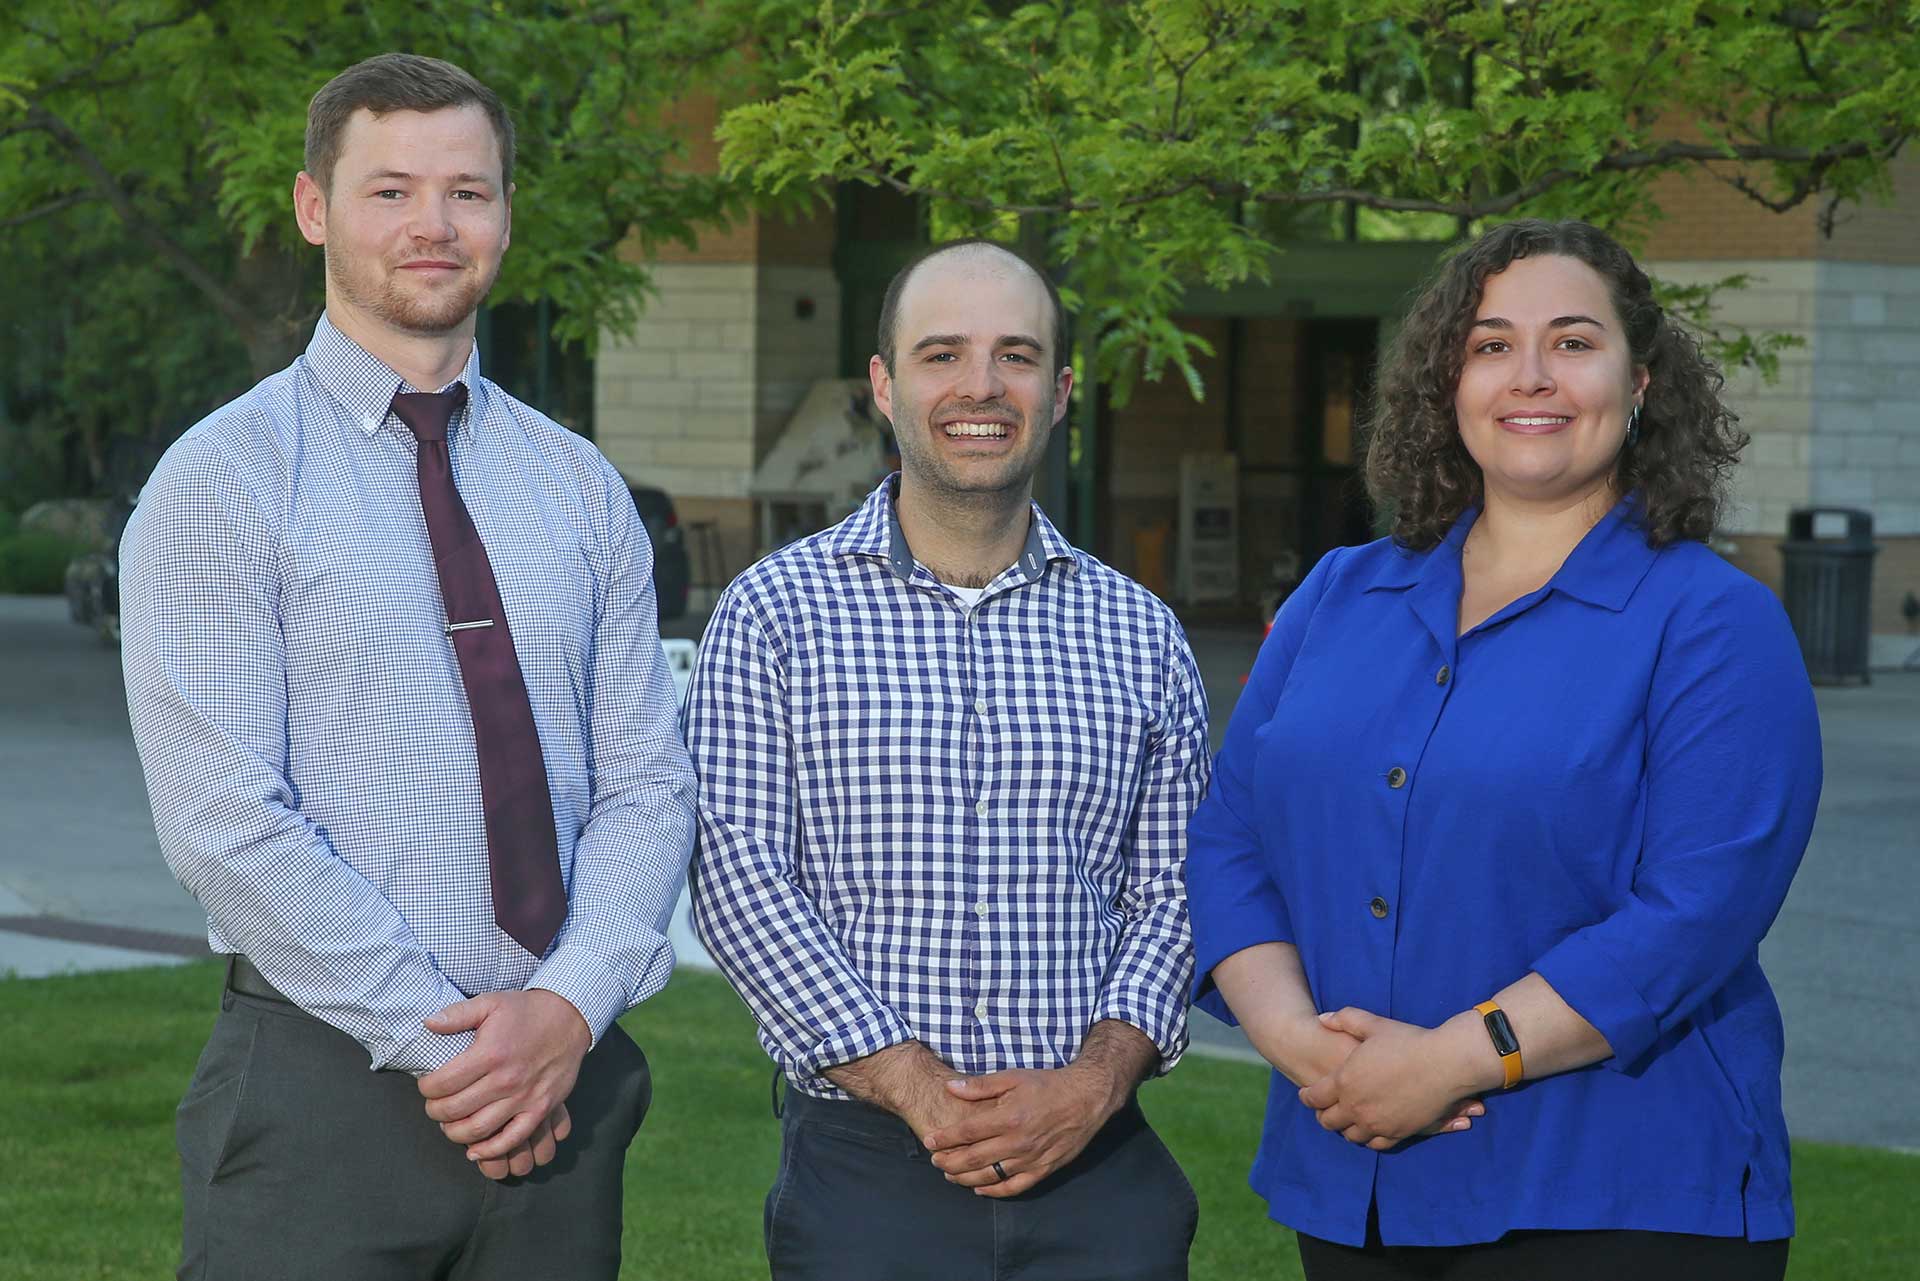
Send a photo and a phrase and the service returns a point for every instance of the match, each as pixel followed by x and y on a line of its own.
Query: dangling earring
pixel 1633 427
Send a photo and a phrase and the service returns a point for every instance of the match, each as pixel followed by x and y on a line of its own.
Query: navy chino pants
pixel 859 1199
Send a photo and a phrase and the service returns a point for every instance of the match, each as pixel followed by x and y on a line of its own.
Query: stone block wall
pixel 1840 427
pixel 694 398
pixel 1866 392
pixel 1773 478
pixel 675 398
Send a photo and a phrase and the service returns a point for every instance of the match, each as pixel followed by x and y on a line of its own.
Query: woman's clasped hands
pixel 1397 1080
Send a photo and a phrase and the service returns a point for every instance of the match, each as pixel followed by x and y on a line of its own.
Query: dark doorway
pixel 1336 384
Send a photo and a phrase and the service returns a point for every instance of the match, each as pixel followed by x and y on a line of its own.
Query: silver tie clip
pixel 467 627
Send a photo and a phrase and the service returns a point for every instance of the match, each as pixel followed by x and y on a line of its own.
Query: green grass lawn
pixel 92 1066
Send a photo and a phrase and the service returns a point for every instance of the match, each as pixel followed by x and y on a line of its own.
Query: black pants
pixel 1549 1256
pixel 858 1199
pixel 298 1164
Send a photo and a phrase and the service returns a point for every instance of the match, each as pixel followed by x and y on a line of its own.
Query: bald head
pixel 971 256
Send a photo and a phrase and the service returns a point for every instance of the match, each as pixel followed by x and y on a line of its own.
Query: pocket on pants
pixel 627 1064
pixel 209 1112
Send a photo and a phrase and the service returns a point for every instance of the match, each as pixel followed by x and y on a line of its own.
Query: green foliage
pixel 34 563
pixel 204 126
pixel 148 149
pixel 1160 143
pixel 1735 347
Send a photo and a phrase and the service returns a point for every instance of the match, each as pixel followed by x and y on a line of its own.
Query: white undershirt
pixel 969 596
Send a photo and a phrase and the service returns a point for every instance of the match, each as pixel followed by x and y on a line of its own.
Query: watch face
pixel 1504 1041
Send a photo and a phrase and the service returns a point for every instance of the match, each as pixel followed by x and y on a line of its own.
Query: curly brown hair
pixel 1418 469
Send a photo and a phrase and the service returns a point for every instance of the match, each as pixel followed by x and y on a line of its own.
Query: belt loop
pixel 773 1090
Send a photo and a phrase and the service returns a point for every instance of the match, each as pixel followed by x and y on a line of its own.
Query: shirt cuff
pixel 1167 1031
pixel 585 980
pixel 872 1033
pixel 1588 980
pixel 426 1053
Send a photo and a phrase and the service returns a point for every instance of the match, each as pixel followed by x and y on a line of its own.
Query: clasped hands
pixel 503 1098
pixel 1378 1082
pixel 1031 1121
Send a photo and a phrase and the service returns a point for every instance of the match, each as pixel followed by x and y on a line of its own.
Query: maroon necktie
pixel 523 857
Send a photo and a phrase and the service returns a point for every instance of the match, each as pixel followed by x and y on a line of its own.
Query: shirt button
pixel 980 808
pixel 980 909
pixel 980 1010
pixel 1396 777
pixel 1444 675
pixel 1378 907
pixel 980 706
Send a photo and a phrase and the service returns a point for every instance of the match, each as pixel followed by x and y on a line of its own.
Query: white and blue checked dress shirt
pixel 920 821
pixel 306 739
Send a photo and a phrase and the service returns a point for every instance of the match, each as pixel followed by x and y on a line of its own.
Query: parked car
pixel 93 580
pixel 671 572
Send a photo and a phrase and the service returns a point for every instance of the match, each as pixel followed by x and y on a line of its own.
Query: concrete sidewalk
pixel 83 886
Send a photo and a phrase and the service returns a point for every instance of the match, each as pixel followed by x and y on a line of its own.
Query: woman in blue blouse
pixel 1511 798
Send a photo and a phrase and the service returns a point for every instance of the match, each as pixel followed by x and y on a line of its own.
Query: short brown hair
pixel 890 304
pixel 1419 471
pixel 397 82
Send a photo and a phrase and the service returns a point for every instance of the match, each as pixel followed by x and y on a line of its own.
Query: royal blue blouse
pixel 1610 782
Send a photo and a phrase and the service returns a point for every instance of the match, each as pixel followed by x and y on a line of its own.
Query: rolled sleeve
pixel 1232 897
pixel 1147 983
pixel 814 1009
pixel 1732 780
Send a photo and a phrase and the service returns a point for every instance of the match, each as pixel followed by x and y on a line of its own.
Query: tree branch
pixel 138 32
pixel 230 304
pixel 52 207
pixel 1488 206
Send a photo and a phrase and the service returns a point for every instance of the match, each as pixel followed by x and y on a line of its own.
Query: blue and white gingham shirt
pixel 920 821
pixel 305 734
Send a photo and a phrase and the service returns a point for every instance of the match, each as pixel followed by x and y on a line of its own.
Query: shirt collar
pixel 1603 569
pixel 364 384
pixel 873 531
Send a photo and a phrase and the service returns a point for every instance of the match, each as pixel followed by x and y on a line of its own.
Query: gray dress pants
pixel 299 1164
pixel 858 1199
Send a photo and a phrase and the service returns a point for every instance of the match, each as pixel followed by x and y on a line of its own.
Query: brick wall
pixel 1702 218
pixel 1876 231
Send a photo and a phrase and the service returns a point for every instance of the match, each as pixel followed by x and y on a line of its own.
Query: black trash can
pixel 1829 585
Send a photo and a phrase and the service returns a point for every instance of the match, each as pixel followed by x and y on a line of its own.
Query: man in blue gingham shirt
pixel 946 769
pixel 310 753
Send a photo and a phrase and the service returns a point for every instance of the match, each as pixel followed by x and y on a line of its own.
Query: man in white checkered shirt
pixel 946 765
pixel 334 779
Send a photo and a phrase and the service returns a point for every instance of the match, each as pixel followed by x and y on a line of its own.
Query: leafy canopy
pixel 147 155
pixel 1163 142
pixel 172 112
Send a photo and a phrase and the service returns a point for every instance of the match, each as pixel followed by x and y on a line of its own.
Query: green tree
pixel 1160 143
pixel 147 153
